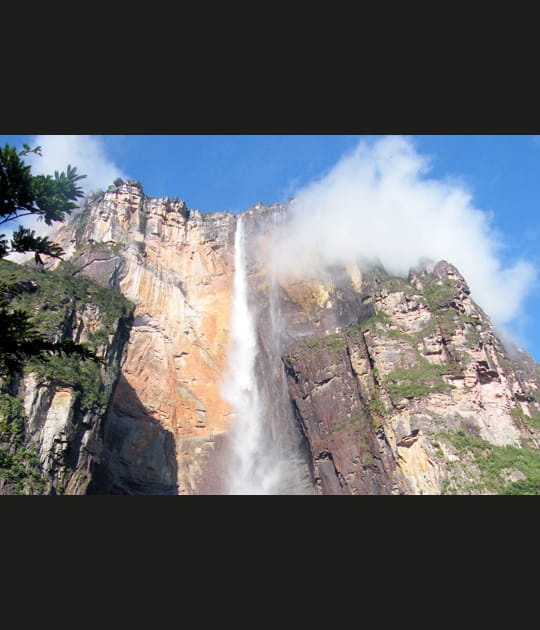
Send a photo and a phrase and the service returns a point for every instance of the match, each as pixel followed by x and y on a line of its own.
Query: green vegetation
pixel 107 248
pixel 18 465
pixel 492 461
pixel 376 406
pixel 523 486
pixel 85 378
pixel 394 333
pixel 112 249
pixel 36 308
pixel 395 284
pixel 52 298
pixel 333 344
pixel 21 339
pixel 418 380
pixel 357 427
pixel 532 421
pixel 50 199
pixel 23 194
pixel 377 411
pixel 355 424
pixel 439 294
pixel 11 417
pixel 51 301
pixel 379 317
pixel 21 467
pixel 446 487
pixel 440 298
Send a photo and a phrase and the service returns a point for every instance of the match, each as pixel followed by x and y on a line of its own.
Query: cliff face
pixel 51 416
pixel 385 402
pixel 176 266
pixel 378 385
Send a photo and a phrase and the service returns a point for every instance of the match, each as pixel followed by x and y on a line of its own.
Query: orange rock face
pixel 175 265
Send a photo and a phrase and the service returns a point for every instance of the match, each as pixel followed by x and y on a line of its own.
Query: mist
pixel 378 204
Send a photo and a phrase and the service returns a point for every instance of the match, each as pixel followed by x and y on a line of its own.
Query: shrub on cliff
pixel 51 199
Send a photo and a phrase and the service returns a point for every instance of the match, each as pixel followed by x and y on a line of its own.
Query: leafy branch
pixel 50 199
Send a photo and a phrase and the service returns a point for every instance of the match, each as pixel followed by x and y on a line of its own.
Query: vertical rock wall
pixel 176 266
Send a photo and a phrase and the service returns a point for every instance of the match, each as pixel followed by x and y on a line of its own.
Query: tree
pixel 23 194
pixel 50 199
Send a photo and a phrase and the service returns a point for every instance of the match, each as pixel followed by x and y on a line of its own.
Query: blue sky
pixel 499 173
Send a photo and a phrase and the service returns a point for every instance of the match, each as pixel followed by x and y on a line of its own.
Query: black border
pixel 397 530
pixel 210 105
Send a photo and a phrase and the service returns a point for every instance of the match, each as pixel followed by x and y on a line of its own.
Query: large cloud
pixel 87 153
pixel 378 202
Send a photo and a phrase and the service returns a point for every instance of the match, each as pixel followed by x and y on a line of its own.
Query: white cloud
pixel 378 202
pixel 86 153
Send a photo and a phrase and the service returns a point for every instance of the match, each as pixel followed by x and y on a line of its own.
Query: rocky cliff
pixel 175 265
pixel 372 384
pixel 420 397
pixel 51 415
pixel 400 385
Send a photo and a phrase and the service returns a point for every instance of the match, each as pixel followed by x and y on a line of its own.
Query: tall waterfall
pixel 260 462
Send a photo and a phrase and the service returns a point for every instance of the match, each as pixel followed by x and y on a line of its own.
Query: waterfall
pixel 260 461
pixel 248 471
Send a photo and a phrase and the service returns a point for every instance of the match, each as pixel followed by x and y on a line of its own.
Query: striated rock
pixel 176 266
pixel 432 367
pixel 348 451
